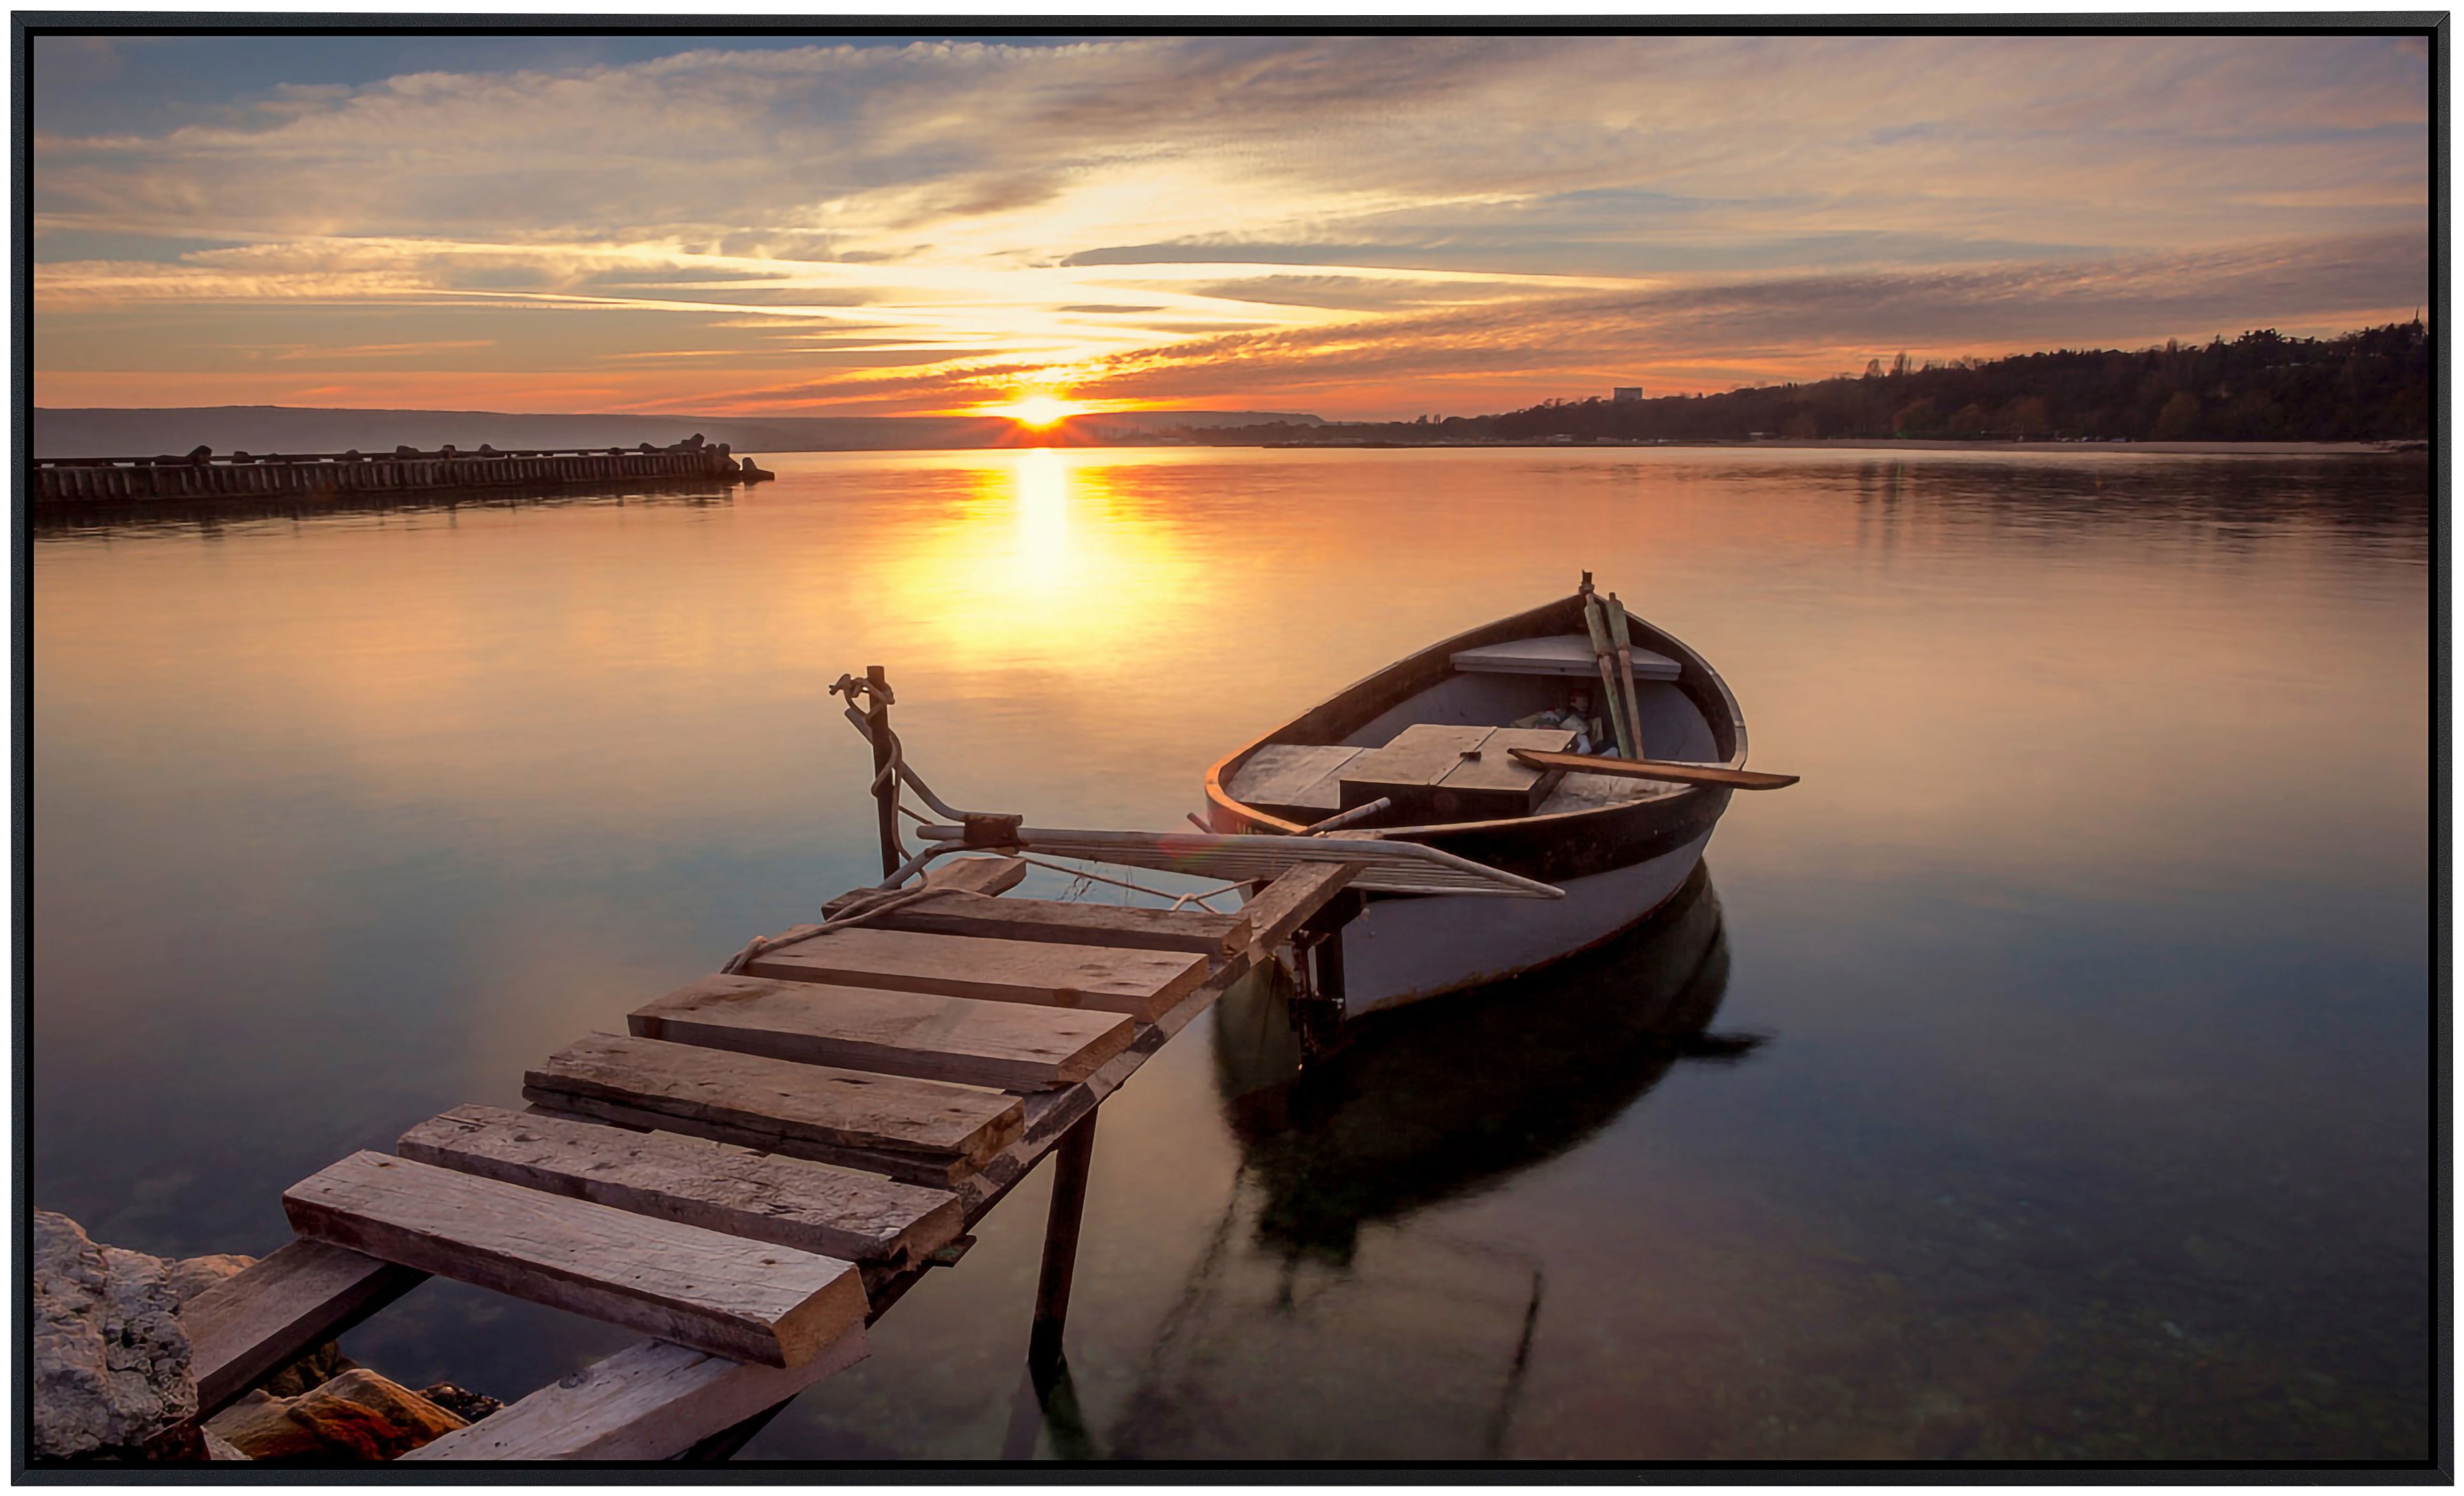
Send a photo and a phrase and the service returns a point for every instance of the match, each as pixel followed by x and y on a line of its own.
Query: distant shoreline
pixel 2195 448
pixel 1876 444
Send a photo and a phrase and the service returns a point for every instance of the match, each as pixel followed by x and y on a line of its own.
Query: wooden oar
pixel 1653 769
pixel 1613 707
pixel 1621 639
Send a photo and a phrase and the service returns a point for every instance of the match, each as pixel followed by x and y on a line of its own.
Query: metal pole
pixel 1070 1160
pixel 876 716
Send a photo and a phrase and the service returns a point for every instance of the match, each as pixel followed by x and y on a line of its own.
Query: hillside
pixel 2369 386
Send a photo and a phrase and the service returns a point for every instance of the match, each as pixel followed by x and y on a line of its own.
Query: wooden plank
pixel 760 1196
pixel 279 1308
pixel 1560 654
pixel 781 1099
pixel 653 1400
pixel 1121 927
pixel 1496 768
pixel 936 1171
pixel 1419 754
pixel 1283 905
pixel 1659 769
pixel 1484 783
pixel 931 1036
pixel 748 1301
pixel 984 876
pixel 1292 777
pixel 1140 983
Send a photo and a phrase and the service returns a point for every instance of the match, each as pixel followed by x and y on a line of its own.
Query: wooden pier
pixel 202 475
pixel 765 1160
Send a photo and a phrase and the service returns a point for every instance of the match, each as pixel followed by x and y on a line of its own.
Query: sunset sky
pixel 1362 227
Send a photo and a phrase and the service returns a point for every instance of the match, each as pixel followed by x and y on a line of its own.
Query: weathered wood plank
pixel 760 1196
pixel 1140 983
pixel 984 876
pixel 775 1098
pixel 930 1036
pixel 1284 777
pixel 1485 782
pixel 1420 756
pixel 1119 926
pixel 934 1171
pixel 1283 905
pixel 648 1401
pixel 748 1301
pixel 281 1306
pixel 1497 768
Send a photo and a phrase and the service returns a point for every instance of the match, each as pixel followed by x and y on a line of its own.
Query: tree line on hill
pixel 2369 386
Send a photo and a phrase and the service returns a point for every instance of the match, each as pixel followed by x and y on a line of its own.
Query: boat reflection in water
pixel 1325 1320
pixel 1425 1103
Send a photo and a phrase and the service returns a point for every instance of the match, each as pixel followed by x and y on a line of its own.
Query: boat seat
pixel 1560 654
pixel 1294 780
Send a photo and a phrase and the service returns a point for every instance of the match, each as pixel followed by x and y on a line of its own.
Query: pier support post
pixel 1071 1158
pixel 877 711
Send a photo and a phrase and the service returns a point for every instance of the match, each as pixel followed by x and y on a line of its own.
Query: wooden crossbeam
pixel 1122 927
pixel 760 1196
pixel 1286 904
pixel 924 1132
pixel 748 1301
pixel 278 1309
pixel 930 1036
pixel 653 1400
pixel 1140 983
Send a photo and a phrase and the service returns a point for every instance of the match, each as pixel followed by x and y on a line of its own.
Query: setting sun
pixel 1040 410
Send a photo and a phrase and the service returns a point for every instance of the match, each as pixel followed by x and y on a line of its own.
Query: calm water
pixel 2046 1076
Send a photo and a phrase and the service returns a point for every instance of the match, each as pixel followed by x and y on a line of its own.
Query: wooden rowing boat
pixel 1434 736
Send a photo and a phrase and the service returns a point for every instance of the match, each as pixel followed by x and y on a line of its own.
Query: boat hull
pixel 1616 861
pixel 1404 949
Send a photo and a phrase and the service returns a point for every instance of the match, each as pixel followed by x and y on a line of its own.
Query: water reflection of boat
pixel 1322 1321
pixel 1437 739
pixel 1418 1105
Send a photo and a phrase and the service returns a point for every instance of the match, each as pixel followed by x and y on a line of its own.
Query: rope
pixel 763 945
pixel 1177 899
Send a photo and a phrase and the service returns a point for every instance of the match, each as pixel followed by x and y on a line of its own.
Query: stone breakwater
pixel 202 474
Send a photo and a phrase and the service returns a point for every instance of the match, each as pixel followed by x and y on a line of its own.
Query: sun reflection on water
pixel 1042 562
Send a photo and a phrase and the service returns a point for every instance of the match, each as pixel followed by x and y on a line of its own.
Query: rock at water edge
pixel 111 1361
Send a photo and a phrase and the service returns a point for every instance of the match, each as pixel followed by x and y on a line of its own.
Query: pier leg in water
pixel 1046 1403
pixel 1070 1161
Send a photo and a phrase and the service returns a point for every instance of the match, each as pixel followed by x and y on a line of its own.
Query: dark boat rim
pixel 1424 667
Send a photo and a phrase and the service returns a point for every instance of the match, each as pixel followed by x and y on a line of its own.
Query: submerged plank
pixel 278 1308
pixel 984 875
pixel 762 1198
pixel 1119 926
pixel 1140 983
pixel 648 1401
pixel 931 1036
pixel 748 1301
pixel 780 1099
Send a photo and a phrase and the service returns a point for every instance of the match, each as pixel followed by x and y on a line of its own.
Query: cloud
pixel 1116 209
